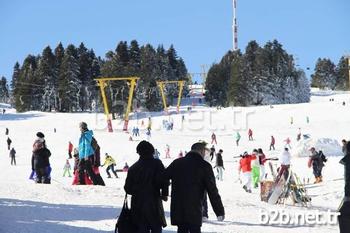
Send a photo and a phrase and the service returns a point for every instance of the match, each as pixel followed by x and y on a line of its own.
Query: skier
pixel 70 149
pixel 272 143
pixel 137 131
pixel 167 151
pixel 250 134
pixel 182 118
pixel 255 168
pixel 13 156
pixel 9 141
pixel 238 137
pixel 110 163
pixel 262 160
pixel 219 165
pixel 66 169
pixel 149 126
pixel 134 131
pixel 307 120
pixel 40 160
pixel 287 141
pixel 285 160
pixel 317 160
pixel 291 120
pixel 245 167
pixel 213 139
pixel 7 131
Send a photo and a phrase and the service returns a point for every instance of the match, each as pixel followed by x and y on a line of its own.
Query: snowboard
pixel 279 189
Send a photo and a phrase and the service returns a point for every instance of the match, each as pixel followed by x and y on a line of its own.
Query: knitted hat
pixel 40 135
pixel 83 125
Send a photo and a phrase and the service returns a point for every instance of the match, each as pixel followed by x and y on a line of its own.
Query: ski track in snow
pixel 26 207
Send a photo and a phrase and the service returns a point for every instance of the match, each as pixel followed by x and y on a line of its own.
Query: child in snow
pixel 66 169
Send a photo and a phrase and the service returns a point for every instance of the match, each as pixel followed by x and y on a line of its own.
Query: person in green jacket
pixel 110 163
pixel 238 137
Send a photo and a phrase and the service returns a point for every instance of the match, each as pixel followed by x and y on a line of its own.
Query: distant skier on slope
pixel 316 160
pixel 250 135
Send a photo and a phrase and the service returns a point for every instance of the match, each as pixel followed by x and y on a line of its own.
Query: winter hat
pixel 40 135
pixel 83 125
pixel 145 148
pixel 221 150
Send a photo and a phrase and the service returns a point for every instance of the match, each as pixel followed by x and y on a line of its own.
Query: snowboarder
pixel 238 137
pixel 9 141
pixel 110 163
pixel 246 169
pixel 167 151
pixel 250 134
pixel 213 139
pixel 70 149
pixel 13 156
pixel 66 169
pixel 219 165
pixel 272 143
pixel 316 160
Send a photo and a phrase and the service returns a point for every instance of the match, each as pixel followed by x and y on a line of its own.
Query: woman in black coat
pixel 144 182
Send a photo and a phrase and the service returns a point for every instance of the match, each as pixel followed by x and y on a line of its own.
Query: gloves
pixel 221 218
pixel 165 198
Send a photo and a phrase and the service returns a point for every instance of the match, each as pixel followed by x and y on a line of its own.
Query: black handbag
pixel 124 223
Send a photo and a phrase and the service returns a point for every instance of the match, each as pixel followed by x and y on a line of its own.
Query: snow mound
pixel 329 146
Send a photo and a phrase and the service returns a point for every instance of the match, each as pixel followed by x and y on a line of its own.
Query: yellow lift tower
pixel 161 87
pixel 102 84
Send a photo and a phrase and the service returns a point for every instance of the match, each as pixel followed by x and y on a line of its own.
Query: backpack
pixel 96 159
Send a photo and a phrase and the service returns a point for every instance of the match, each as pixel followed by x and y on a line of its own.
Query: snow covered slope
pixel 26 207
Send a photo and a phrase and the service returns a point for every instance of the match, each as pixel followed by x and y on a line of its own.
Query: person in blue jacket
pixel 86 154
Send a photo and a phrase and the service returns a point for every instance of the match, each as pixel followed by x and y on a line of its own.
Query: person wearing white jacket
pixel 285 160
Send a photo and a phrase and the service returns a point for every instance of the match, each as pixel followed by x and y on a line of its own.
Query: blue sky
pixel 200 30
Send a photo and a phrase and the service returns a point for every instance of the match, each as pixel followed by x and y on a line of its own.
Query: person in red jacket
pixel 272 144
pixel 250 134
pixel 246 168
pixel 70 149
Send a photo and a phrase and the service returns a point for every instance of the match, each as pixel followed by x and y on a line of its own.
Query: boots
pixel 318 180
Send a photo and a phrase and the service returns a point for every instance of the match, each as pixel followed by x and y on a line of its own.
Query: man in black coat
pixel 144 182
pixel 191 176
pixel 40 161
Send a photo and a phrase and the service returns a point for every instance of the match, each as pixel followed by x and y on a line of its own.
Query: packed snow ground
pixel 26 207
